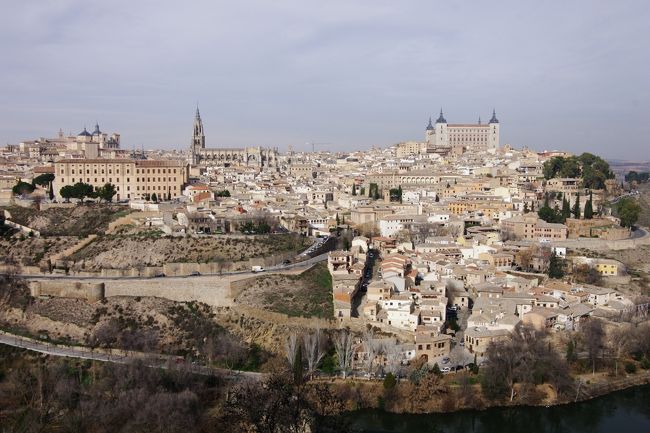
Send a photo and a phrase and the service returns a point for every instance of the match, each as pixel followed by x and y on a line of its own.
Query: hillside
pixel 150 248
pixel 308 294
pixel 69 221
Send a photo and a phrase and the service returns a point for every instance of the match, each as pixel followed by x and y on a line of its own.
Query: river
pixel 625 411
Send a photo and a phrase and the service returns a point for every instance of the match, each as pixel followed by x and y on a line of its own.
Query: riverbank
pixel 620 411
pixel 439 396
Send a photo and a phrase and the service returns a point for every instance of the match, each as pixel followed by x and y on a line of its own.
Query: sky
pixel 569 75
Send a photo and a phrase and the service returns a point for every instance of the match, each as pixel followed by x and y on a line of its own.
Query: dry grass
pixel 124 251
pixel 74 221
pixel 308 294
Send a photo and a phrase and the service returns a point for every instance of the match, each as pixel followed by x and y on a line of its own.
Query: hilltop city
pixel 429 255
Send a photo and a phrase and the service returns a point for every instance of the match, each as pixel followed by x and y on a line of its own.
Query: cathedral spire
pixel 430 125
pixel 198 137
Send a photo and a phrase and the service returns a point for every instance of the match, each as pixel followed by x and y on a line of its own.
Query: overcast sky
pixel 561 74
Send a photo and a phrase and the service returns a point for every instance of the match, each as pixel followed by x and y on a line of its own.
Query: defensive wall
pixel 91 292
pixel 604 244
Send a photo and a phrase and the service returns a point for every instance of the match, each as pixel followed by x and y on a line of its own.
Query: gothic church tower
pixel 198 137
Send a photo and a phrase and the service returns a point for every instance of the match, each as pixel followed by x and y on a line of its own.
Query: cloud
pixel 354 73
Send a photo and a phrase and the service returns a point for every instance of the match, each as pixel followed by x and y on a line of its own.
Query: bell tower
pixel 198 137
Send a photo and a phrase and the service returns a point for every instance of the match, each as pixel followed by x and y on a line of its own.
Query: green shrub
pixel 390 381
pixel 630 367
pixel 645 363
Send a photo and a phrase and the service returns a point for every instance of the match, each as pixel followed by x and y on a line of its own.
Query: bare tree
pixel 312 345
pixel 393 356
pixel 641 339
pixel 618 341
pixel 343 344
pixel 291 346
pixel 370 351
pixel 593 336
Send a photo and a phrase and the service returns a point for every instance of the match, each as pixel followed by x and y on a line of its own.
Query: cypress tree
pixel 589 207
pixel 566 208
pixel 555 267
pixel 297 366
pixel 576 207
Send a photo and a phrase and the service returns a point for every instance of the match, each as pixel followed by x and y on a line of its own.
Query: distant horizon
pixel 350 73
pixel 296 148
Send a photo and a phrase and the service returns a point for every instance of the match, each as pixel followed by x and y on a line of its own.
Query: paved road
pixel 153 360
pixel 639 233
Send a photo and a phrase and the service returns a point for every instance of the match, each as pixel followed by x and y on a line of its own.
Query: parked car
pixel 445 360
pixel 195 274
pixel 445 369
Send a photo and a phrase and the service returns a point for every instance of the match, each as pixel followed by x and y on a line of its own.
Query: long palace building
pixel 463 137
pixel 133 179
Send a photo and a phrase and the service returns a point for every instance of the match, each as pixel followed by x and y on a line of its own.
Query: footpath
pixel 118 356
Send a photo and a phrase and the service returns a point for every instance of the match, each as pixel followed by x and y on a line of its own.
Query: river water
pixel 625 411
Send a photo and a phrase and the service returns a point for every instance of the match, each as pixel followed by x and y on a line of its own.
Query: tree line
pixel 638 177
pixel 559 215
pixel 44 180
pixel 81 191
pixel 592 169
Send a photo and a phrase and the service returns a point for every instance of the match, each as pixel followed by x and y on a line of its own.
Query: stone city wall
pixel 91 292
pixel 604 244
pixel 212 292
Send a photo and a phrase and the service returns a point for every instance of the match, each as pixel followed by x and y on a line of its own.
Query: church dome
pixel 84 133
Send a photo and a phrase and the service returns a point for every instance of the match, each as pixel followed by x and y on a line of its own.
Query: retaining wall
pixel 91 292
pixel 603 244
pixel 213 292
